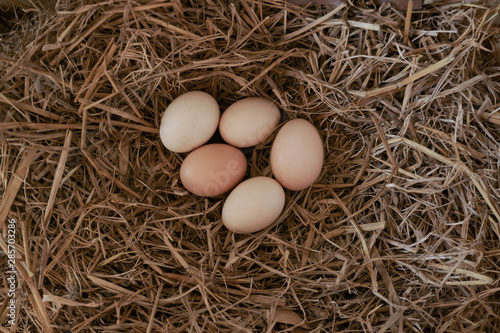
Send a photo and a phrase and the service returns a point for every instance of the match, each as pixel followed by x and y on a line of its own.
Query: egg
pixel 213 169
pixel 253 205
pixel 189 121
pixel 247 122
pixel 297 155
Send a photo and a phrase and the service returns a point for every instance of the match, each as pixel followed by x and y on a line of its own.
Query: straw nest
pixel 399 234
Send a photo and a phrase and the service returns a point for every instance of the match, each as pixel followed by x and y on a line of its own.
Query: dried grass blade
pixel 429 70
pixel 366 250
pixel 171 27
pixel 81 37
pixel 41 126
pixel 57 177
pixel 392 320
pixel 34 294
pixel 265 71
pixel 65 301
pixel 480 278
pixel 86 86
pixel 153 130
pixel 363 25
pixel 15 183
pixel 117 112
pixel 28 107
pixel 314 23
pixel 110 177
pixel 115 288
pixel 407 23
pixel 81 326
pixel 288 317
pixel 367 227
pixel 56 258
pixel 153 311
pixel 493 118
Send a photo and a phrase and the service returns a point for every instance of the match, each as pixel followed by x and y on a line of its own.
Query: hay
pixel 400 233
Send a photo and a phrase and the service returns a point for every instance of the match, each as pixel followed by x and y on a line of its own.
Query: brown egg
pixel 213 169
pixel 297 155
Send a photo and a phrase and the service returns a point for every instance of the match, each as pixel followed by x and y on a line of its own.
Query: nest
pixel 399 234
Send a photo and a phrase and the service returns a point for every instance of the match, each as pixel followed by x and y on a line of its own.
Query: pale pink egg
pixel 297 155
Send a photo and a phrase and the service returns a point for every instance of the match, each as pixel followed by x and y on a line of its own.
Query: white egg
pixel 189 121
pixel 249 121
pixel 253 205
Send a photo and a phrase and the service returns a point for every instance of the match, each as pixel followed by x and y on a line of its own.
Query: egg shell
pixel 213 169
pixel 189 121
pixel 249 121
pixel 253 205
pixel 297 155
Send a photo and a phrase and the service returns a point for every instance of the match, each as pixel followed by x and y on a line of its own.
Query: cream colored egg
pixel 253 205
pixel 297 155
pixel 249 121
pixel 189 121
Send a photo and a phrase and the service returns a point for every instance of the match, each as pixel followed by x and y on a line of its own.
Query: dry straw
pixel 401 233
